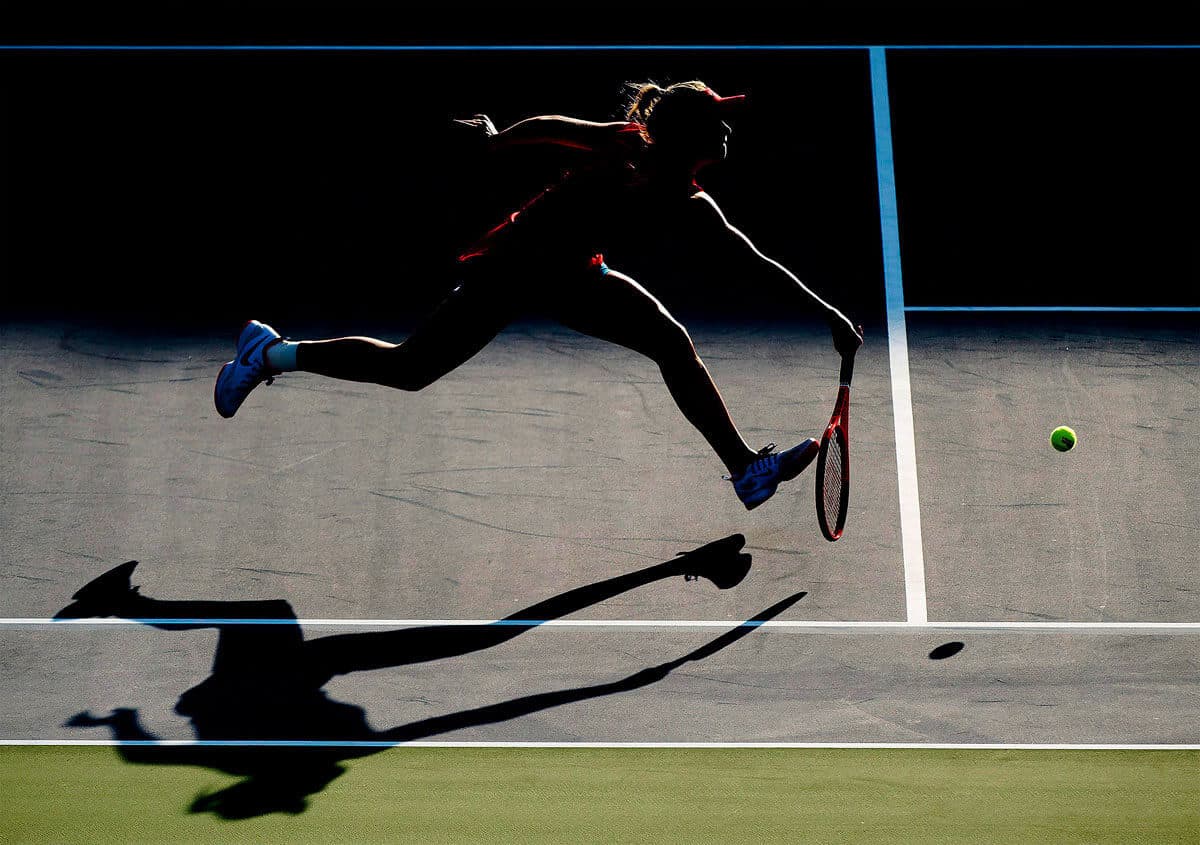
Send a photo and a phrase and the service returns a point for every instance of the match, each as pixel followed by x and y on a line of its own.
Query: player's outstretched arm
pixel 554 129
pixel 846 338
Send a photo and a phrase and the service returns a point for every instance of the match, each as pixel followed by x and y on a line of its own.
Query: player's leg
pixel 466 320
pixel 614 307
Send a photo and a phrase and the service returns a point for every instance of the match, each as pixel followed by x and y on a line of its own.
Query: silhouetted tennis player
pixel 638 177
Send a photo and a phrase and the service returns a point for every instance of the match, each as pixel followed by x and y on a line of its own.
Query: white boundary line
pixel 1081 309
pixel 916 609
pixel 299 743
pixel 797 624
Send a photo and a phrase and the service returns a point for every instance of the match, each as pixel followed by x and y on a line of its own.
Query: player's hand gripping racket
pixel 833 461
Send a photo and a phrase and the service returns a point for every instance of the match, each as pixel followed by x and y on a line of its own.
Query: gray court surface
pixel 1017 531
pixel 554 462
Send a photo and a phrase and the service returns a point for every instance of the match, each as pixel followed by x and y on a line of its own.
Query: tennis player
pixel 637 181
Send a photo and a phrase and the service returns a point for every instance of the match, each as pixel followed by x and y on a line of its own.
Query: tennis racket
pixel 833 461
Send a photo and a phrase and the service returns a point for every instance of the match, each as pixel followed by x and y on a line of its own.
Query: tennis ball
pixel 1063 438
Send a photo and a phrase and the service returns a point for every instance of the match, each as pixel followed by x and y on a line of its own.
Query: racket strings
pixel 832 490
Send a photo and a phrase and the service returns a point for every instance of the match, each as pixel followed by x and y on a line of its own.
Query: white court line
pixel 1082 309
pixel 906 451
pixel 301 743
pixel 801 624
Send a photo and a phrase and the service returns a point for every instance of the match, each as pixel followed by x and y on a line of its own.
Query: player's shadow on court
pixel 266 681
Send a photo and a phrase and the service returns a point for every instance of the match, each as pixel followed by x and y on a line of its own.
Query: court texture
pixel 522 605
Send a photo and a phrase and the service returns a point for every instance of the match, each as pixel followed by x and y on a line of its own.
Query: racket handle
pixel 848 365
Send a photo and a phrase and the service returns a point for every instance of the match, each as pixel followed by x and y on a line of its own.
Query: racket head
pixel 833 470
pixel 833 461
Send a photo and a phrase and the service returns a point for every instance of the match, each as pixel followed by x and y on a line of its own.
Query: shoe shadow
pixel 266 681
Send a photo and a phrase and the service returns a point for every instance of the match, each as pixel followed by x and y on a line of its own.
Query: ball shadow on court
pixel 946 650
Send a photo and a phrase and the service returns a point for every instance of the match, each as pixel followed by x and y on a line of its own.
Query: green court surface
pixel 86 794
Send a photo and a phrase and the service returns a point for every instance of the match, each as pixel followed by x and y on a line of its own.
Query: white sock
pixel 282 356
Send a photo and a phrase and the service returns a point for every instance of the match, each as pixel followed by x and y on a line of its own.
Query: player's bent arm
pixel 844 333
pixel 562 131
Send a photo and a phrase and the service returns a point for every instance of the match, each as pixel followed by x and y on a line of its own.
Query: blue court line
pixel 1082 309
pixel 412 48
pixel 350 743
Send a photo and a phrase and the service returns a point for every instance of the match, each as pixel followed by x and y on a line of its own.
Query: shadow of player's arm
pixel 138 745
pixel 721 561
pixel 523 706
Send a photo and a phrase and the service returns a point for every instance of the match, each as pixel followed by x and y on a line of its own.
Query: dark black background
pixel 331 184
pixel 337 182
pixel 678 22
pixel 1048 177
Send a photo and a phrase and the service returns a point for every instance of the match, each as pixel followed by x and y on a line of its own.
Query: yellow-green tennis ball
pixel 1063 438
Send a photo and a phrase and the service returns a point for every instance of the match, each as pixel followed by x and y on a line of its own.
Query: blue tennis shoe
pixel 758 482
pixel 246 371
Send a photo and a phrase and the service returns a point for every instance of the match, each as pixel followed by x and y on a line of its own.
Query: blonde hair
pixel 647 95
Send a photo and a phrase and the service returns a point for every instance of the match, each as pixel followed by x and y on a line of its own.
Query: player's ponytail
pixel 642 102
pixel 647 96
